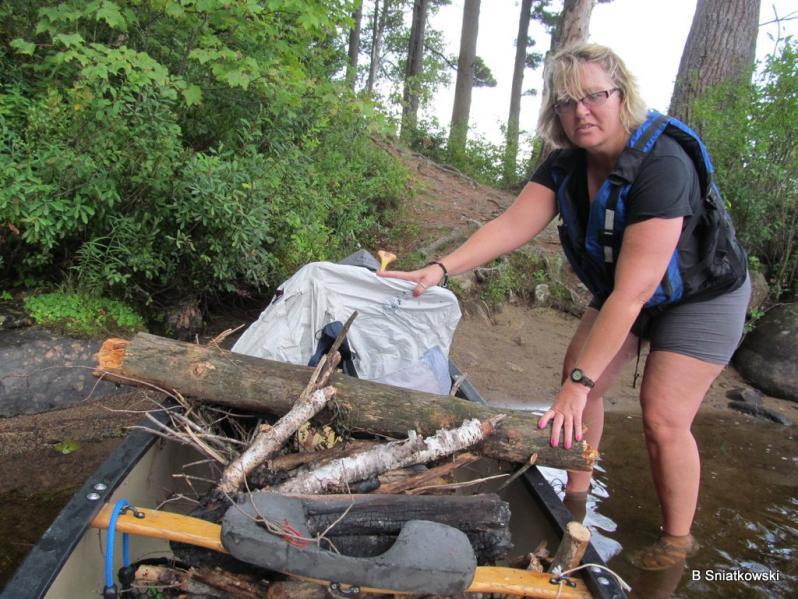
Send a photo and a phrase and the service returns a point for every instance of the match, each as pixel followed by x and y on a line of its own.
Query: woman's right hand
pixel 424 278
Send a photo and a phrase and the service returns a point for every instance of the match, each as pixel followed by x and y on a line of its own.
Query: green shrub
pixel 82 315
pixel 520 273
pixel 153 150
pixel 751 135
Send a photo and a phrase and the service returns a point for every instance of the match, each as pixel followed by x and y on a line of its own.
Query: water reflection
pixel 747 519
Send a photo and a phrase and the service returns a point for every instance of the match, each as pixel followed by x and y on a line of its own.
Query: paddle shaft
pixel 195 531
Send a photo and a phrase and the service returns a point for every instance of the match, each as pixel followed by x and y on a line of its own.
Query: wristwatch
pixel 577 376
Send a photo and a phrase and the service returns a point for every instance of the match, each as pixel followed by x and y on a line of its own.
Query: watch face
pixel 576 375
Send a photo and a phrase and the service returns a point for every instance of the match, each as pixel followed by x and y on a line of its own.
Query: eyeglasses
pixel 589 101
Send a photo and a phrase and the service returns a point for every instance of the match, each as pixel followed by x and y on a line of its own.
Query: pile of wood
pixel 415 442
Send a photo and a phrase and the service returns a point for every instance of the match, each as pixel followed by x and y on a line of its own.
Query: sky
pixel 649 35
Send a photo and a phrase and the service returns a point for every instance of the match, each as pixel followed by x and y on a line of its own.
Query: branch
pixel 415 450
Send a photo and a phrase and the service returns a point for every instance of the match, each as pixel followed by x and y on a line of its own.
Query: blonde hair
pixel 564 81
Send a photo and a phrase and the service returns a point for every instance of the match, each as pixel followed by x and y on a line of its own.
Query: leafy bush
pixel 483 160
pixel 519 274
pixel 81 315
pixel 751 135
pixel 161 148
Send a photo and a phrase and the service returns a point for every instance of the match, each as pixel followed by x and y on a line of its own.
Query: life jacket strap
pixel 607 235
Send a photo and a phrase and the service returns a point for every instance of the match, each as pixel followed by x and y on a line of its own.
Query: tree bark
pixel 205 582
pixel 415 58
pixel 511 146
pixel 573 26
pixel 268 443
pixel 354 46
pixel 222 377
pixel 338 474
pixel 372 522
pixel 719 49
pixel 458 132
pixel 410 480
pixel 378 19
pixel 572 547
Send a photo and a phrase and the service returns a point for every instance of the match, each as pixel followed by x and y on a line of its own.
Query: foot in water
pixel 576 502
pixel 666 552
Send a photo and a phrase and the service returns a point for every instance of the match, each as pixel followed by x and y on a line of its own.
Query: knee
pixel 661 430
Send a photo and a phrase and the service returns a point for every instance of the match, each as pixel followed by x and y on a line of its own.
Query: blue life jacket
pixel 593 251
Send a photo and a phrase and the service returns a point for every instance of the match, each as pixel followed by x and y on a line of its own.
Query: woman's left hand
pixel 565 414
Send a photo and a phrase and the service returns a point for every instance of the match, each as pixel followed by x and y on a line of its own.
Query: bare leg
pixel 673 387
pixel 593 415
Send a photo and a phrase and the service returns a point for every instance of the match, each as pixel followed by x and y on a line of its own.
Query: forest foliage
pixel 157 149
pixel 153 148
pixel 752 134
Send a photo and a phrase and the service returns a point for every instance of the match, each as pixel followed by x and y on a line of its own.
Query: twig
pixel 222 336
pixel 457 382
pixel 532 459
pixel 462 485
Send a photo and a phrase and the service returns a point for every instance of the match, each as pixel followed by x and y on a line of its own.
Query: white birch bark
pixel 398 454
pixel 266 444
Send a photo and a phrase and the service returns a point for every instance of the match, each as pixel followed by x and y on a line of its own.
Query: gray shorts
pixel 710 330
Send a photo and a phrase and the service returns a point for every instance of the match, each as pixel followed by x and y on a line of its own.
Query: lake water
pixel 747 519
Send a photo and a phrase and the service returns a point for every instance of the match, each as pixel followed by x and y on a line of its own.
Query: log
pixel 266 444
pixel 266 386
pixel 413 480
pixel 572 547
pixel 373 521
pixel 334 477
pixel 207 582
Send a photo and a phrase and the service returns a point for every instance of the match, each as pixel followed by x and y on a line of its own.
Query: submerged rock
pixel 747 395
pixel 760 412
pixel 41 370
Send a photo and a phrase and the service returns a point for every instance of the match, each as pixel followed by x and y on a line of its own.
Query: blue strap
pixel 109 549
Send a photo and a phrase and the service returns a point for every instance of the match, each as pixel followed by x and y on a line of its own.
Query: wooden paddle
pixel 194 531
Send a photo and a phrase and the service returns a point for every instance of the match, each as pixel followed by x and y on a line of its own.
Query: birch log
pixel 269 443
pixel 388 457
pixel 221 377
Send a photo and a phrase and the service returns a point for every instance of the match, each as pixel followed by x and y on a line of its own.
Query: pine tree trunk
pixel 458 131
pixel 573 26
pixel 244 382
pixel 415 57
pixel 354 46
pixel 719 49
pixel 511 148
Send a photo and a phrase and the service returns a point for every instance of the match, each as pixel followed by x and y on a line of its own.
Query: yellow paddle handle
pixel 164 525
pixel 195 531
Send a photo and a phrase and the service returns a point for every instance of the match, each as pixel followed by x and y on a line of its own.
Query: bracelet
pixel 445 272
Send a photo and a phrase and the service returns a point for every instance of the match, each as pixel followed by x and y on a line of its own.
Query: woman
pixel 592 111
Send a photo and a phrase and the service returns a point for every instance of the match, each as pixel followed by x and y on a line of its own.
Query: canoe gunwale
pixel 43 564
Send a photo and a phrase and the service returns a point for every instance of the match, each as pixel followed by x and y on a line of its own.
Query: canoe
pixel 67 562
